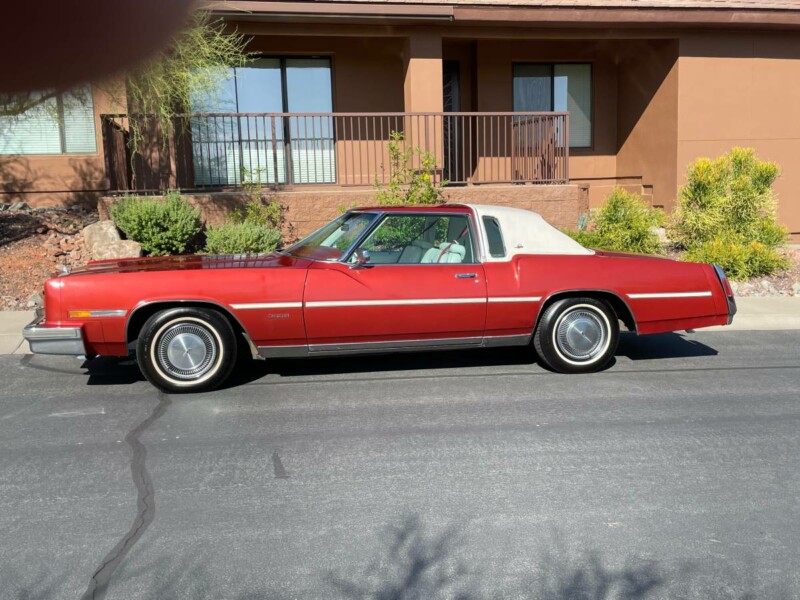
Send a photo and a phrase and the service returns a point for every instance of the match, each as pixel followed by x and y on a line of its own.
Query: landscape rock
pixel 19 206
pixel 100 233
pixel 35 300
pixel 116 250
pixel 796 288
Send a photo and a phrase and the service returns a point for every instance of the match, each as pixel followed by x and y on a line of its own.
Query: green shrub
pixel 242 238
pixel 170 226
pixel 726 214
pixel 589 239
pixel 739 260
pixel 256 212
pixel 624 223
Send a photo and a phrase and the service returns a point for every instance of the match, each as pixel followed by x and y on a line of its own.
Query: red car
pixel 385 279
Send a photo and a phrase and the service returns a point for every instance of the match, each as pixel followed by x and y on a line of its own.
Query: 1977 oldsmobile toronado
pixel 378 280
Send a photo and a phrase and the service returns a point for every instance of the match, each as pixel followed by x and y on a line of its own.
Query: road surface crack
pixel 145 505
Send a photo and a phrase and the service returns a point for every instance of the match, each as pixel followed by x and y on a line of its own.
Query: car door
pixel 421 287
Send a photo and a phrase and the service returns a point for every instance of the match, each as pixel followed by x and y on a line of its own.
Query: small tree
pixel 409 184
pixel 193 66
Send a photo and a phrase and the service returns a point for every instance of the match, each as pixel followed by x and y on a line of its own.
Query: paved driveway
pixel 673 474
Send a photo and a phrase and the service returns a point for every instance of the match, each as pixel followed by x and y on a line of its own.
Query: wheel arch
pixel 144 310
pixel 620 307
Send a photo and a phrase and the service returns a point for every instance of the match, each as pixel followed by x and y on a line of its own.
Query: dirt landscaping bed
pixel 33 244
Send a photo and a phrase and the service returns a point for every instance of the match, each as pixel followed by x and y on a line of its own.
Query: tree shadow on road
pixel 410 562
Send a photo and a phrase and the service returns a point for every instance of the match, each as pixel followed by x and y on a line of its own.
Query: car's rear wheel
pixel 186 349
pixel 577 335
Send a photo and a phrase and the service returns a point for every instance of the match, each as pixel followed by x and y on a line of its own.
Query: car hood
pixel 192 262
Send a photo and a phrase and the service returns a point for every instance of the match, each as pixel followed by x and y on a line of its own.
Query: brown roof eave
pixel 338 10
pixel 471 14
pixel 604 17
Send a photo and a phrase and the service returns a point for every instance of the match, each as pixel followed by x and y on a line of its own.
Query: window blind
pixel 61 124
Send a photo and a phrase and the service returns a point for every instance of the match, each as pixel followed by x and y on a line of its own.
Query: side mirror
pixel 362 258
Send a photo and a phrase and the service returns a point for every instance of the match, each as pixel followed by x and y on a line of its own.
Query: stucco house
pixel 540 103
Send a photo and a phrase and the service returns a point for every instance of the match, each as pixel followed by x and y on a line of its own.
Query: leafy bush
pixel 242 238
pixel 726 214
pixel 255 230
pixel 170 226
pixel 624 223
pixel 739 260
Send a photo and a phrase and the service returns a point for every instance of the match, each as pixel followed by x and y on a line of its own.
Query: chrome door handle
pixel 466 275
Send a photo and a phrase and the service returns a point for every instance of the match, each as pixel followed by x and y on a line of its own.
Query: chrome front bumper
pixel 53 340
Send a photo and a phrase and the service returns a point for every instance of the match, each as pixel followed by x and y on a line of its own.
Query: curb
pixel 761 313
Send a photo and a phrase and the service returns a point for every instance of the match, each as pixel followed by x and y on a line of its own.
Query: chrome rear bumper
pixel 53 340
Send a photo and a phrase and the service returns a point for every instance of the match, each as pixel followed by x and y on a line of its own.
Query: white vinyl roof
pixel 524 232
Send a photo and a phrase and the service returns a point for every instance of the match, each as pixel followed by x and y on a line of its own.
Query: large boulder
pixel 117 250
pixel 102 232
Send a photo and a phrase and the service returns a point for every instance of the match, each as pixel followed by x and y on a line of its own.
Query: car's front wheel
pixel 577 335
pixel 186 349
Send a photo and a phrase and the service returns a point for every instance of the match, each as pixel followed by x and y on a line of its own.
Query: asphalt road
pixel 674 474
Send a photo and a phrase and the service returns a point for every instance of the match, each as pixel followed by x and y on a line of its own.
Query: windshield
pixel 332 241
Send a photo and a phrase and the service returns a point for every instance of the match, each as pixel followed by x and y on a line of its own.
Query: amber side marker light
pixel 86 314
pixel 80 314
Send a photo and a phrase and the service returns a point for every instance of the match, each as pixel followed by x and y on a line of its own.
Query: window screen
pixel 494 236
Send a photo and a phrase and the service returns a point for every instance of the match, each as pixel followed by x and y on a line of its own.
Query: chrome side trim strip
pixel 669 295
pixel 262 305
pixel 296 351
pixel 497 341
pixel 108 313
pixel 515 299
pixel 394 345
pixel 416 302
pixel 283 351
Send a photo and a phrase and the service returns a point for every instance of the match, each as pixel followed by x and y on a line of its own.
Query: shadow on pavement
pixel 661 345
pixel 115 371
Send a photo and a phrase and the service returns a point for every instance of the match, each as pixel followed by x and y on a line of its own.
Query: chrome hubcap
pixel 581 335
pixel 187 351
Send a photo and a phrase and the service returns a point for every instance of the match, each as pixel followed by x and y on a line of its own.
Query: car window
pixel 420 239
pixel 332 241
pixel 495 237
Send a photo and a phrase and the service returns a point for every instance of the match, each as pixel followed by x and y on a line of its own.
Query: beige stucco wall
pixel 595 165
pixel 647 121
pixel 368 72
pixel 742 90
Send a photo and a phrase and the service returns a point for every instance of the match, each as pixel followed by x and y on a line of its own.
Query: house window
pixel 271 150
pixel 62 124
pixel 562 87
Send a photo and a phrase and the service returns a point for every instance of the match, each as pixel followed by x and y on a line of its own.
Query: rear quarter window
pixel 495 237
